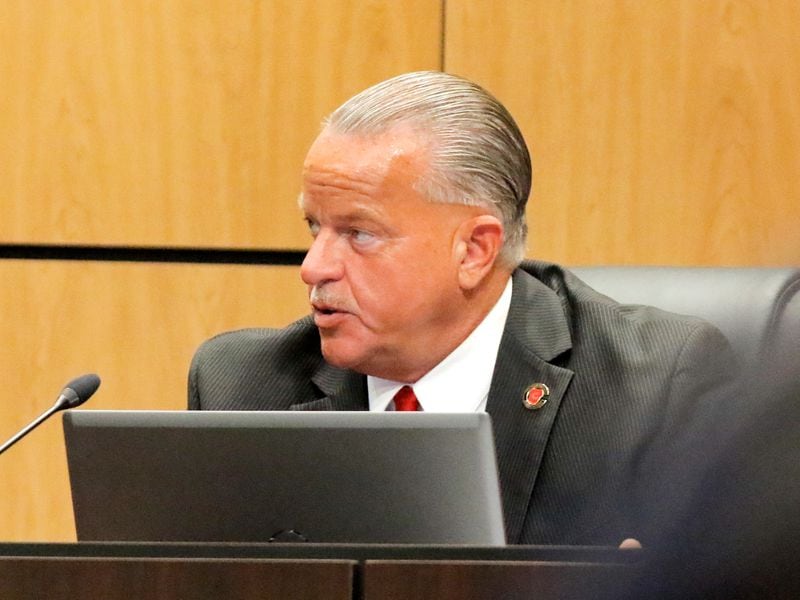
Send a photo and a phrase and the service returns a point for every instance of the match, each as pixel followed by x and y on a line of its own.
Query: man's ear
pixel 479 241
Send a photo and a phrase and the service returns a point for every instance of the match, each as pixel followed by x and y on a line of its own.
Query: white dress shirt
pixel 460 383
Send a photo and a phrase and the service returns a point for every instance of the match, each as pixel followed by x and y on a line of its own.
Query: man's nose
pixel 322 262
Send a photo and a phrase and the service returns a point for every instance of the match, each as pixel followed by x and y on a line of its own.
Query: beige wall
pixel 182 122
pixel 662 132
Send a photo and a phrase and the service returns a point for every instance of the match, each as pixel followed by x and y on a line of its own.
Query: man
pixel 415 195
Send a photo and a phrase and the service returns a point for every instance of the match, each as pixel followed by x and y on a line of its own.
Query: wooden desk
pixel 489 580
pixel 307 571
pixel 186 579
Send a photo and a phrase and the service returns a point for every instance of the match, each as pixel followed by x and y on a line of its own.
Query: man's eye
pixel 313 227
pixel 361 237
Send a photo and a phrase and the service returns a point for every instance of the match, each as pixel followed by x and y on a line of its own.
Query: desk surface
pixel 353 552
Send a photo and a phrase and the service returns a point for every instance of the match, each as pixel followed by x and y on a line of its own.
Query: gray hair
pixel 479 156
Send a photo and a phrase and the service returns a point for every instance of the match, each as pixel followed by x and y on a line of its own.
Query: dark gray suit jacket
pixel 626 385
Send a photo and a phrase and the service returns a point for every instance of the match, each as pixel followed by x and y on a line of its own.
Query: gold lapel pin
pixel 536 396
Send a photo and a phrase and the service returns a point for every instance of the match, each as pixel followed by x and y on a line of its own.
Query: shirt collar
pixel 460 382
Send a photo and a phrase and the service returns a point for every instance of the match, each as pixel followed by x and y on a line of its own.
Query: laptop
pixel 326 477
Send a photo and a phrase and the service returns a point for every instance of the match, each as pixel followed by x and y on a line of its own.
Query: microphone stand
pixel 44 416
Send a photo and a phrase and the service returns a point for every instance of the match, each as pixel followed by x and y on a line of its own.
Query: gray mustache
pixel 322 296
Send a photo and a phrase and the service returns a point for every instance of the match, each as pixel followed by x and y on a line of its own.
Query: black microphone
pixel 75 393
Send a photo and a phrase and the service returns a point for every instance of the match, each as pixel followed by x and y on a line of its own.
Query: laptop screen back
pixel 332 477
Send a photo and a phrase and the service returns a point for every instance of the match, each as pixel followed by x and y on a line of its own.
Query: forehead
pixel 399 155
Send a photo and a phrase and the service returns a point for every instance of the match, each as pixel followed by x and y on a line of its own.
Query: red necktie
pixel 405 400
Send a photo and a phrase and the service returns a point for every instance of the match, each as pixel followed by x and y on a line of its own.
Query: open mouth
pixel 324 310
pixel 326 317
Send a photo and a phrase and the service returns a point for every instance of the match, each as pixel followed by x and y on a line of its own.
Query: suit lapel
pixel 536 333
pixel 342 389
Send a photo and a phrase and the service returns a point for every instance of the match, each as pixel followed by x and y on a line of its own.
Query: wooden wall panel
pixel 662 132
pixel 182 122
pixel 135 325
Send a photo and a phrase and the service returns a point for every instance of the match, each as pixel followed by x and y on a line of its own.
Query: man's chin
pixel 339 355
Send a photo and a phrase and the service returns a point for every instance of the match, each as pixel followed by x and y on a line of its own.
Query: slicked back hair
pixel 478 154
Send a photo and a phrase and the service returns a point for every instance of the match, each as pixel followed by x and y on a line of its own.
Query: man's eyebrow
pixel 365 212
pixel 362 211
pixel 360 192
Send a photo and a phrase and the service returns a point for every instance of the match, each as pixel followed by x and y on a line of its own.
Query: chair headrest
pixel 757 309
